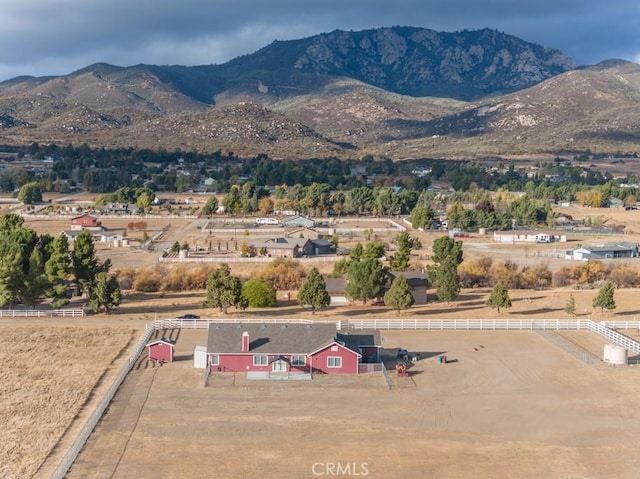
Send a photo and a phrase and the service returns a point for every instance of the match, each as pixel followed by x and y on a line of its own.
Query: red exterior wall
pixel 244 362
pixel 349 360
pixel 161 352
pixel 84 221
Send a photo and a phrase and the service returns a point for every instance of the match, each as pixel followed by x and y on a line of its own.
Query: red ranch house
pixel 161 350
pixel 290 348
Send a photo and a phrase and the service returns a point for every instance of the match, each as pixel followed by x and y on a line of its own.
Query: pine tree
pixel 85 263
pixel 399 294
pixel 570 307
pixel 224 290
pixel 447 281
pixel 57 269
pixel 35 281
pixel 106 293
pixel 499 297
pixel 313 291
pixel 604 299
pixel 366 280
pixel 404 244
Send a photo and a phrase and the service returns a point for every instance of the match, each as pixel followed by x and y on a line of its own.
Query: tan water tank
pixel 482 231
pixel 607 352
pixel 182 253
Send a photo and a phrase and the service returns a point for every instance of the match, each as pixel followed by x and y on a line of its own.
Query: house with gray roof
pixel 289 348
pixel 612 250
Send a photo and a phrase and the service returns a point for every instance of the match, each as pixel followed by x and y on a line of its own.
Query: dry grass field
pixel 47 375
pixel 507 404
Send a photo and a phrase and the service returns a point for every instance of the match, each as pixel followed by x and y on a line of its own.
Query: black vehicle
pixel 188 316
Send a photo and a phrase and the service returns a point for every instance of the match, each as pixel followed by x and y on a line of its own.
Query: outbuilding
pixel 161 350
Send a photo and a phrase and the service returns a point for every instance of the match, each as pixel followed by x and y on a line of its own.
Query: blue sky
pixel 55 37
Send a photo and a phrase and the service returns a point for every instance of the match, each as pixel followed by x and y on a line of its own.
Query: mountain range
pixel 400 92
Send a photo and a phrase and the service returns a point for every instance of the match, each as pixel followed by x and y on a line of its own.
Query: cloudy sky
pixel 55 37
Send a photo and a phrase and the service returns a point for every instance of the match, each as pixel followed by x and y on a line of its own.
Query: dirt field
pixel 507 404
pixel 46 375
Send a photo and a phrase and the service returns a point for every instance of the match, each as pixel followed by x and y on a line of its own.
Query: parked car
pixel 189 316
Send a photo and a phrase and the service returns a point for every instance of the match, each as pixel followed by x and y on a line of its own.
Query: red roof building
pixel 87 222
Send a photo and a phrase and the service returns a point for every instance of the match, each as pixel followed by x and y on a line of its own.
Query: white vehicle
pixel 267 221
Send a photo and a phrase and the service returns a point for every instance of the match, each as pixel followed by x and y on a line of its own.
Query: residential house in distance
pixel 293 247
pixel 527 236
pixel 86 222
pixel 335 288
pixel 622 249
pixel 284 348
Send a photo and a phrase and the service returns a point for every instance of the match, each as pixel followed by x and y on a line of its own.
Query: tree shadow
pixel 540 311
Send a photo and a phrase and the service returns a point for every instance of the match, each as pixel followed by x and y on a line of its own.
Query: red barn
pixel 85 222
pixel 161 350
pixel 285 348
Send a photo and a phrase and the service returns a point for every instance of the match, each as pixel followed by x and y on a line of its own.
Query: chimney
pixel 245 342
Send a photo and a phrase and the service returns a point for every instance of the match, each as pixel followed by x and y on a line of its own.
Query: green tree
pixel 57 269
pixel 35 281
pixel 106 293
pixel 604 298
pixel 313 291
pixel 399 294
pixel 421 217
pixel 499 297
pixel 404 244
pixel 570 307
pixel 211 206
pixel 366 280
pixel 258 293
pixel 30 193
pixel 447 281
pixel 446 248
pixel 85 263
pixel 224 290
pixel 11 276
pixel 10 221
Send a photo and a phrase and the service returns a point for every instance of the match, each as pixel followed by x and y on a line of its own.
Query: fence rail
pixel 237 259
pixel 204 323
pixel 465 324
pixel 37 313
pixel 67 460
pixel 364 368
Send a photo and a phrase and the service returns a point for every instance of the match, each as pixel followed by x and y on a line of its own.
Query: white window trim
pixel 299 356
pixel 215 359
pixel 339 361
pixel 256 356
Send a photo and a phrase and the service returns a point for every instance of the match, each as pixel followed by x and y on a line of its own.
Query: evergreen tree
pixel 499 297
pixel 570 307
pixel 447 281
pixel 605 299
pixel 85 263
pixel 224 290
pixel 421 217
pixel 399 294
pixel 11 276
pixel 366 280
pixel 446 248
pixel 313 291
pixel 57 269
pixel 106 293
pixel 35 281
pixel 404 244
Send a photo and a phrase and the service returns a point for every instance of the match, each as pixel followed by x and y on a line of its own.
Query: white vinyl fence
pixel 67 460
pixel 37 313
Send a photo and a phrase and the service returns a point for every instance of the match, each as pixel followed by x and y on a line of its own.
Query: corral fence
pixel 70 455
pixel 37 313
pixel 603 329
